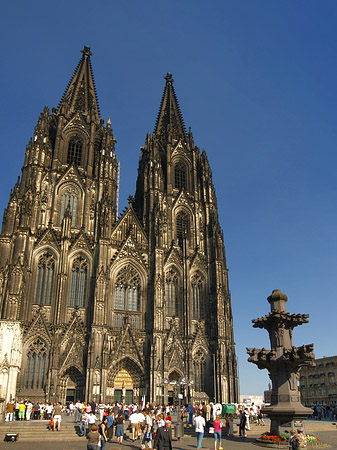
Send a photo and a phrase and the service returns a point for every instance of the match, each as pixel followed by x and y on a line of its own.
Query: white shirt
pixel 92 419
pixel 199 423
pixel 134 418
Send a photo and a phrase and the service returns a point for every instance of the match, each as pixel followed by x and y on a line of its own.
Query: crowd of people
pixel 102 422
pixel 328 412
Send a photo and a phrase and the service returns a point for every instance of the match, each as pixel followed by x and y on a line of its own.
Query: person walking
pixel 102 431
pixel 110 426
pixel 199 423
pixel 163 439
pixel 93 438
pixel 119 427
pixel 217 424
pixel 57 417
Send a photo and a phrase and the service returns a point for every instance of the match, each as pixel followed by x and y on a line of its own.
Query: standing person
pixel 57 416
pixel 217 424
pixel 10 409
pixel 93 438
pixel 293 440
pixel 29 409
pixel 199 423
pixel 134 424
pixel 102 431
pixel 260 420
pixel 91 420
pixel 36 411
pixel 110 426
pixel 84 423
pixel 22 410
pixel 101 408
pixel 163 439
pixel 190 414
pixel 231 425
pixel 93 406
pixel 78 411
pixel 244 423
pixel 208 412
pixel 119 427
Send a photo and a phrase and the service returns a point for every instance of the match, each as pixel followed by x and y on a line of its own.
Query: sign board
pixel 180 396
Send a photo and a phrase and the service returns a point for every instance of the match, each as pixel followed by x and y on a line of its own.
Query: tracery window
pixel 199 371
pixel 75 151
pixel 69 199
pixel 36 365
pixel 127 289
pixel 197 297
pixel 171 293
pixel 180 176
pixel 45 279
pixel 78 284
pixel 182 225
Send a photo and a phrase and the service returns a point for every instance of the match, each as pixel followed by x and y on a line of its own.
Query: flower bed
pixel 271 440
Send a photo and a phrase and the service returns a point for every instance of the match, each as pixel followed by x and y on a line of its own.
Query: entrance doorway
pixel 123 387
pixel 118 395
pixel 71 391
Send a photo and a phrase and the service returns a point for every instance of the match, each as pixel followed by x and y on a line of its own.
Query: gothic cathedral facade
pixel 96 306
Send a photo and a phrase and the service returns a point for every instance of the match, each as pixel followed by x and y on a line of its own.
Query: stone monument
pixel 283 362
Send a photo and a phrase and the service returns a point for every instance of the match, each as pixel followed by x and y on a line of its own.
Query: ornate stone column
pixel 283 362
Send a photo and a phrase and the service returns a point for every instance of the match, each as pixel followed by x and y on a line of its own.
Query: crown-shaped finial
pixel 86 51
pixel 168 77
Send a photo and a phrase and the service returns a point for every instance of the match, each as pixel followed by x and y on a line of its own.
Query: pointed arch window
pixel 199 364
pixel 45 279
pixel 171 293
pixel 182 225
pixel 197 291
pixel 75 151
pixel 69 199
pixel 36 365
pixel 78 284
pixel 180 176
pixel 127 289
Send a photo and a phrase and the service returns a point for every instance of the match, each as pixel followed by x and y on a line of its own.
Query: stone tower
pixel 100 307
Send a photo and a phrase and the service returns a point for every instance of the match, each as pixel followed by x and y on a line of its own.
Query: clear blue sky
pixel 256 81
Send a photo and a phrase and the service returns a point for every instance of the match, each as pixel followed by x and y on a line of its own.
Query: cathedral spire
pixel 80 94
pixel 170 120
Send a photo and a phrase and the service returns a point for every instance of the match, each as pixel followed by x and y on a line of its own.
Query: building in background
pixel 318 384
pixel 249 400
pixel 96 306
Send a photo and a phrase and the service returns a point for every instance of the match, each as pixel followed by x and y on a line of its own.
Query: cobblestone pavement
pixel 188 442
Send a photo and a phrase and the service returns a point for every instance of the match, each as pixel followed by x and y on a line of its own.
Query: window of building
pixel 36 365
pixel 199 371
pixel 45 279
pixel 78 284
pixel 171 293
pixel 69 200
pixel 127 289
pixel 74 151
pixel 197 297
pixel 180 176
pixel 182 224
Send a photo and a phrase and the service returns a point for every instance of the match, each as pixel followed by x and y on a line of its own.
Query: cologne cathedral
pixel 107 307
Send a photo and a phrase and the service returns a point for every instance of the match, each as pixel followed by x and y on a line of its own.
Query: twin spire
pixel 80 96
pixel 170 120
